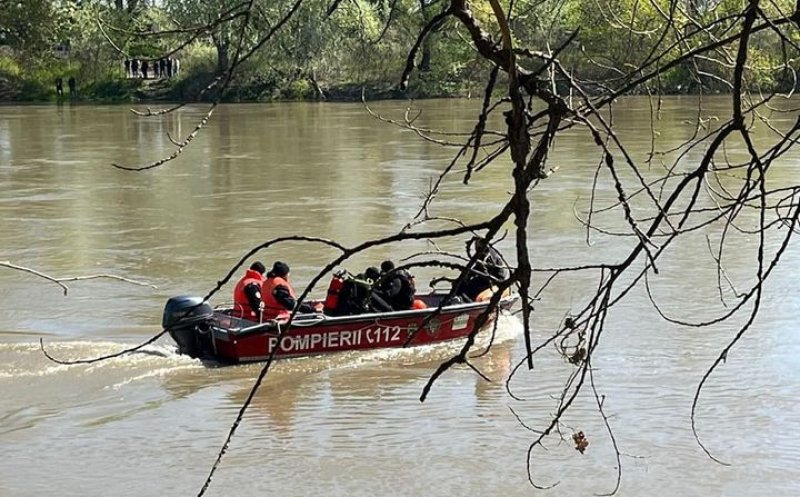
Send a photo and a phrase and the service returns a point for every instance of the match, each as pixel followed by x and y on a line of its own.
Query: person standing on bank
pixel 278 296
pixel 247 293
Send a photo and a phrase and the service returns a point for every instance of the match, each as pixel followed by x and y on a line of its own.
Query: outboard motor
pixel 188 320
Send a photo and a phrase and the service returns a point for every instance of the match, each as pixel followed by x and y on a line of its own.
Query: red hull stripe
pixel 341 334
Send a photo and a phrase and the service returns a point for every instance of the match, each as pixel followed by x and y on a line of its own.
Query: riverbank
pixel 35 88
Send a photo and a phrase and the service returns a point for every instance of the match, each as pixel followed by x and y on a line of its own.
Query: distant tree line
pixel 333 53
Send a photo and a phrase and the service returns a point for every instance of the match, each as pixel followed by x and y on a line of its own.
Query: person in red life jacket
pixel 247 293
pixel 278 296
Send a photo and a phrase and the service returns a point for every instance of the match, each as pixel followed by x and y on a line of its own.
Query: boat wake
pixel 26 360
pixel 509 328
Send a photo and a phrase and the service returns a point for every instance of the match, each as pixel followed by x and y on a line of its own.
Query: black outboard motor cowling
pixel 188 320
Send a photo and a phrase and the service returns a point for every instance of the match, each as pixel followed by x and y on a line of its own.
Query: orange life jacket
pixel 272 308
pixel 241 306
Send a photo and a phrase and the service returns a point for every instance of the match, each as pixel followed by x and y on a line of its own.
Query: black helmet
pixel 280 269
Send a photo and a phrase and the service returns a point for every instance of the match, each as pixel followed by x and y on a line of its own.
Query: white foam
pixel 23 373
pixel 508 328
pixel 19 347
pixel 39 366
pixel 151 354
pixel 155 373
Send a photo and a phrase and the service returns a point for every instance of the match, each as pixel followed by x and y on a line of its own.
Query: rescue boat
pixel 201 331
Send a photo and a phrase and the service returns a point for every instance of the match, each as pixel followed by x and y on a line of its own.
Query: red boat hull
pixel 234 340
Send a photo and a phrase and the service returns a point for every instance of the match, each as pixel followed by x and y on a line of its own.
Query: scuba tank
pixel 334 290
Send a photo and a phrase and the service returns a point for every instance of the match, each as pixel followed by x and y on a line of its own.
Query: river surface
pixel 150 424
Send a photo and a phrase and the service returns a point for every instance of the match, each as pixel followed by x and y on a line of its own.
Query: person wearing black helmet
pixel 356 294
pixel 375 300
pixel 247 293
pixel 277 294
pixel 396 286
pixel 489 268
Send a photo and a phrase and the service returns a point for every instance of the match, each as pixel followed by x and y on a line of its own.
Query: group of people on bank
pixel 155 68
pixel 71 84
pixel 260 295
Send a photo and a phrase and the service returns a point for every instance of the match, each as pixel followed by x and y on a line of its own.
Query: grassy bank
pixel 116 89
pixel 35 82
pixel 39 86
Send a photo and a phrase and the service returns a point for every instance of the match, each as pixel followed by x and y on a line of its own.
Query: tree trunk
pixel 425 63
pixel 222 57
pixel 313 79
pixel 118 4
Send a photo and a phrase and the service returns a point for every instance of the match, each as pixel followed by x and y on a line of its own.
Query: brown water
pixel 351 425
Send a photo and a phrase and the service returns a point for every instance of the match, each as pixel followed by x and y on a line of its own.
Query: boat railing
pixel 239 326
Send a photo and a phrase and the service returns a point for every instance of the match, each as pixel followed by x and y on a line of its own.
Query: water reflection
pixel 496 365
pixel 294 388
pixel 260 171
